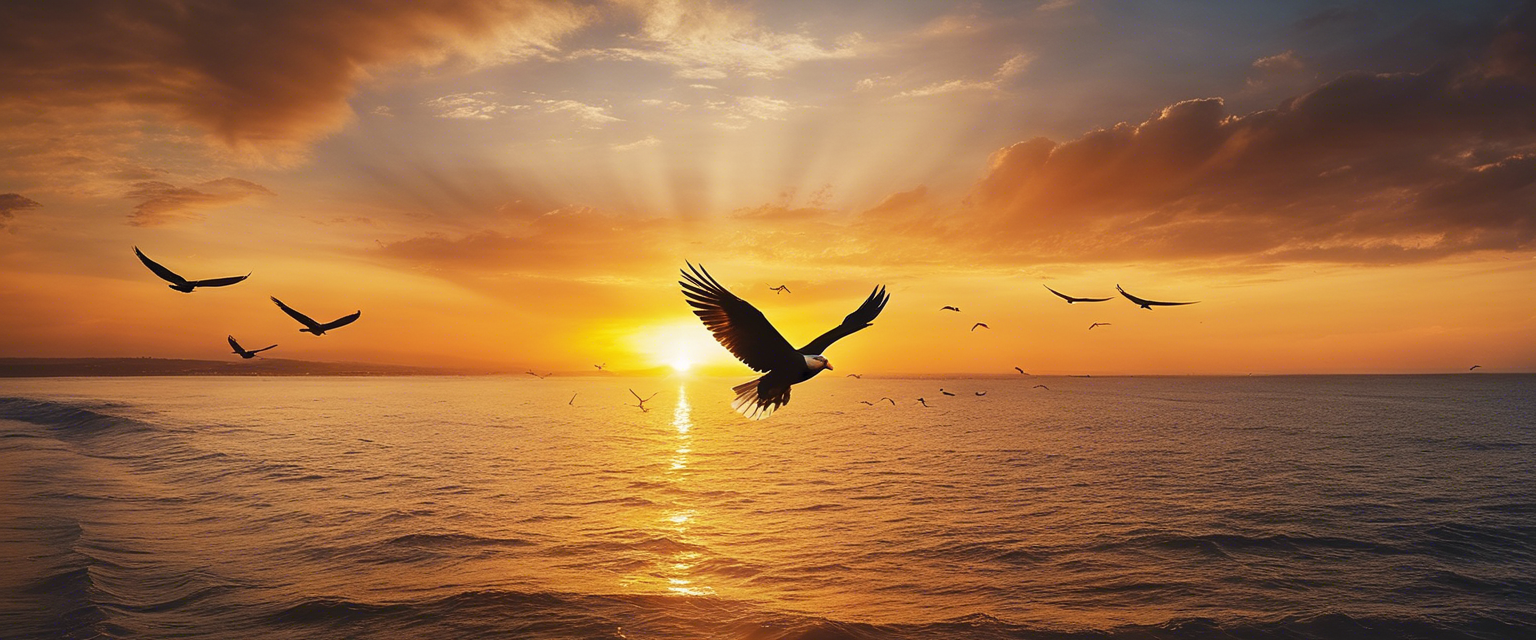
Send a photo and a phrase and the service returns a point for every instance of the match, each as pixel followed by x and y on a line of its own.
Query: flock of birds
pixel 184 285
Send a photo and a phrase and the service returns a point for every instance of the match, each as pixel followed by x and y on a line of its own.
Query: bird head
pixel 817 363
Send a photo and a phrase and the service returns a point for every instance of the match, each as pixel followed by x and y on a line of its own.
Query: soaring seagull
pixel 531 373
pixel 949 308
pixel 1072 299
pixel 1475 366
pixel 1098 324
pixel 854 375
pixel 310 326
pixel 741 328
pixel 981 393
pixel 1041 386
pixel 783 288
pixel 179 283
pixel 893 402
pixel 923 402
pixel 1021 371
pixel 1148 304
pixel 945 392
pixel 980 324
pixel 642 400
pixel 242 352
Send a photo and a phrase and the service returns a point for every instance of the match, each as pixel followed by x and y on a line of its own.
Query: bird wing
pixel 1059 294
pixel 264 349
pixel 218 282
pixel 737 325
pixel 859 319
pixel 303 319
pixel 342 321
pixel 160 270
pixel 234 345
pixel 1150 302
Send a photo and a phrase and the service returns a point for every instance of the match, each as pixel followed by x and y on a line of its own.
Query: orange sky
pixel 1344 187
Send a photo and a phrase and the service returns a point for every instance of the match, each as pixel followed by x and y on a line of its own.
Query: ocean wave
pixel 66 417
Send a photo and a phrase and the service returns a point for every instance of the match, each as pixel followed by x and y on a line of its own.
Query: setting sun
pixel 681 364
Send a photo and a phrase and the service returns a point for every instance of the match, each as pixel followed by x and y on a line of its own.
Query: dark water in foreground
pixel 1298 507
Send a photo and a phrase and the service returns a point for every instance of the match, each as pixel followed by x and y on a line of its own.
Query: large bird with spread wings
pixel 310 326
pixel 1148 304
pixel 243 352
pixel 181 284
pixel 747 334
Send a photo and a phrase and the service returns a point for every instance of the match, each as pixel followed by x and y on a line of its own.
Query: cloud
pixel 161 203
pixel 648 141
pixel 1010 68
pixel 10 203
pixel 591 115
pixel 705 40
pixel 1368 167
pixel 260 76
pixel 743 110
pixel 478 105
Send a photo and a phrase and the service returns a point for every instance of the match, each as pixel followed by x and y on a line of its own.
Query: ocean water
pixel 1284 507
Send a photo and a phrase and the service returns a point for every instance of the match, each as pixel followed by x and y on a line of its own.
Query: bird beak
pixel 829 366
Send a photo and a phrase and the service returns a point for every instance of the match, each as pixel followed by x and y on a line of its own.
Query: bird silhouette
pixel 642 400
pixel 981 393
pixel 310 326
pixel 893 402
pixel 1098 324
pixel 949 308
pixel 1041 386
pixel 1475 366
pixel 859 376
pixel 867 402
pixel 980 324
pixel 539 376
pixel 1148 304
pixel 1072 299
pixel 1021 371
pixel 181 284
pixel 945 392
pixel 784 288
pixel 923 402
pixel 599 367
pixel 746 333
pixel 572 401
pixel 242 352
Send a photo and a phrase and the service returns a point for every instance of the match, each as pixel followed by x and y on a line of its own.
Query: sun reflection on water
pixel 677 569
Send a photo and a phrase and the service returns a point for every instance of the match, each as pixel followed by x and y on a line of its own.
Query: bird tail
pixel 751 402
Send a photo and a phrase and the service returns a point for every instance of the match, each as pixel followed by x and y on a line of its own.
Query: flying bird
pixel 599 367
pixel 784 288
pixel 867 402
pixel 893 402
pixel 949 308
pixel 945 392
pixel 181 284
pixel 310 326
pixel 539 376
pixel 572 401
pixel 1041 386
pixel 981 393
pixel 242 352
pixel 1072 299
pixel 923 402
pixel 1021 371
pixel 855 375
pixel 746 333
pixel 980 324
pixel 1098 324
pixel 1148 304
pixel 642 400
pixel 1475 366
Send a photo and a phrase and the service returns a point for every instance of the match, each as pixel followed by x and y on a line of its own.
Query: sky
pixel 1344 186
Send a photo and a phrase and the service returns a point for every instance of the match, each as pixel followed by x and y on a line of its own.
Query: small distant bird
pixel 746 333
pixel 310 326
pixel 1475 366
pixel 1148 304
pixel 242 352
pixel 1098 324
pixel 945 392
pixel 572 401
pixel 642 400
pixel 981 393
pixel 181 284
pixel 980 324
pixel 949 308
pixel 1041 386
pixel 781 288
pixel 922 401
pixel 1021 371
pixel 539 376
pixel 1072 299
pixel 867 402
pixel 599 367
pixel 855 375
pixel 893 402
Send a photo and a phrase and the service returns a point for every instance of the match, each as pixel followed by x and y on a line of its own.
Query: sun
pixel 681 363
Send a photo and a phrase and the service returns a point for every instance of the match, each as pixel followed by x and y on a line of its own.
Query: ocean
pixel 488 507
